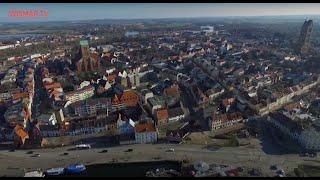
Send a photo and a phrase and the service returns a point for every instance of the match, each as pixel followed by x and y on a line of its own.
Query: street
pixel 235 156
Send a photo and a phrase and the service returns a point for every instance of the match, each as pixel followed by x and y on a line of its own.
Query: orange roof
pixel 291 106
pixel 227 117
pixel 26 113
pixel 20 95
pixel 95 56
pixel 111 77
pixel 52 85
pixel 147 127
pixel 229 101
pixel 55 91
pixel 173 90
pixel 129 98
pixel 162 114
pixel 21 132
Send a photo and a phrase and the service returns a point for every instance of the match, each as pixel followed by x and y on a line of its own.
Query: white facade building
pixel 309 138
pixel 146 137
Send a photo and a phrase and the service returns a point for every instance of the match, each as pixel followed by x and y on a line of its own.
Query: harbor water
pixel 137 169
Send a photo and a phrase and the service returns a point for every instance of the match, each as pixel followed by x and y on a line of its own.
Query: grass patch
pixel 198 138
pixel 233 142
pixel 307 171
pixel 202 138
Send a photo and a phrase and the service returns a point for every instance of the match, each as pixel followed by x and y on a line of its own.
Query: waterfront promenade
pixel 14 163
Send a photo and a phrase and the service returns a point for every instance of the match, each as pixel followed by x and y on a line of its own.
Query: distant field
pixel 40 30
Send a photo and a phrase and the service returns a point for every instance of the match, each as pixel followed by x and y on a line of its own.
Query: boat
pixel 75 168
pixel 55 171
pixel 37 173
pixel 163 173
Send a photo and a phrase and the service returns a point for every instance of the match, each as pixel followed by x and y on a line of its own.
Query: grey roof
pixel 175 112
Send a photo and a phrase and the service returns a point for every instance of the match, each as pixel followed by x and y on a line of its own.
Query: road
pixel 237 156
pixel 40 97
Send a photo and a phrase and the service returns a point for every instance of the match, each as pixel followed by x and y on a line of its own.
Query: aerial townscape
pixel 198 97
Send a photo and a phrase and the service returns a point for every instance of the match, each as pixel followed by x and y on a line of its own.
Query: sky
pixel 86 11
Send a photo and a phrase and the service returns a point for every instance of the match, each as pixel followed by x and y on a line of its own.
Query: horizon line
pixel 154 18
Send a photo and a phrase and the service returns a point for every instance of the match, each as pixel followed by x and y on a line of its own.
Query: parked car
pixel 273 167
pixel 255 172
pixel 35 155
pixel 103 151
pixel 280 172
pixel 83 146
pixel 64 154
pixel 29 152
pixel 129 150
pixel 170 150
pixel 279 175
pixel 240 169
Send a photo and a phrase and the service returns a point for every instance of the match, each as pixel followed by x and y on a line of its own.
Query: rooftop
pixel 84 43
pixel 175 112
pixel 147 127
pixel 156 100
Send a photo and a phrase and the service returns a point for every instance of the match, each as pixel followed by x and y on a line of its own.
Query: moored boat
pixel 75 168
pixel 55 171
pixel 37 173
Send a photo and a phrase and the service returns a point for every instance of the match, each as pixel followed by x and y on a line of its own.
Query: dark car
pixel 240 169
pixel 65 154
pixel 255 172
pixel 103 151
pixel 129 150
pixel 12 150
pixel 273 167
pixel 29 152
pixel 280 172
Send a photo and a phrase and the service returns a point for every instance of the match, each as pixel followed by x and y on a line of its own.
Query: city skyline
pixel 74 12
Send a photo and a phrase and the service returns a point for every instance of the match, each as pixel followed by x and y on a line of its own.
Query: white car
pixel 170 150
pixel 83 146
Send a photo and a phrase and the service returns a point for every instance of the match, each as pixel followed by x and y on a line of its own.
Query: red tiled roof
pixel 111 77
pixel 129 98
pixel 173 90
pixel 52 85
pixel 19 95
pixel 227 102
pixel 95 56
pixel 19 131
pixel 291 106
pixel 79 91
pixel 147 127
pixel 162 114
pixel 227 117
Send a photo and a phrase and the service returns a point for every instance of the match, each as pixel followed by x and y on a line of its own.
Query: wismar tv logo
pixel 28 13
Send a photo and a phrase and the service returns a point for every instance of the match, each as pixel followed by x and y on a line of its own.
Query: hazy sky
pixel 155 10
